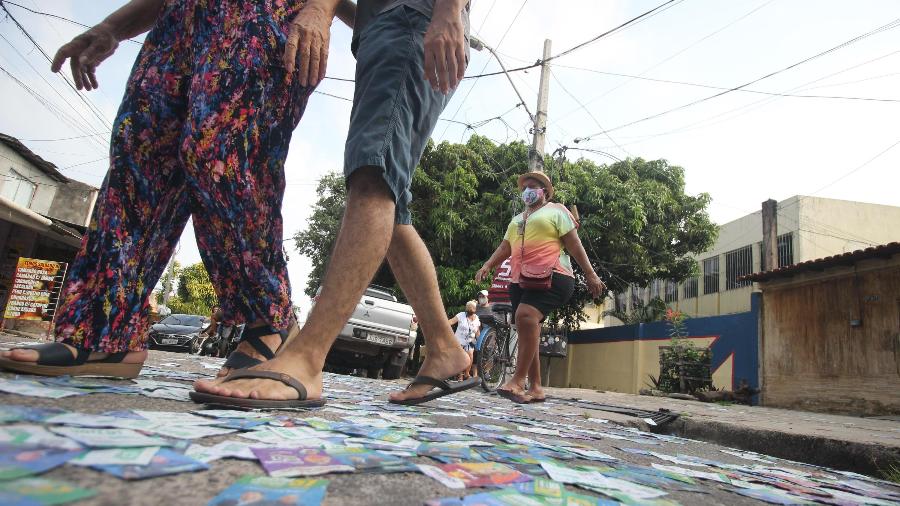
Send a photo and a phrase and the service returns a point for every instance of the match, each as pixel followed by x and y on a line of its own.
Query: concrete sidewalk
pixel 865 445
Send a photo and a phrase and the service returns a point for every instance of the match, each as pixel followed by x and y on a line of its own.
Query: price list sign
pixel 35 289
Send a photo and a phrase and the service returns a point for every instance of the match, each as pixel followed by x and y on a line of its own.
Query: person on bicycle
pixel 467 327
pixel 538 238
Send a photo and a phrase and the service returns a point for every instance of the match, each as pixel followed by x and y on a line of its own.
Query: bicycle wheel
pixel 490 364
pixel 513 346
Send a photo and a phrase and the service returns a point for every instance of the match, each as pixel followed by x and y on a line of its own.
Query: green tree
pixel 654 311
pixel 637 222
pixel 195 293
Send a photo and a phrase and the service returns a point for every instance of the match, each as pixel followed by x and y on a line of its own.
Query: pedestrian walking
pixel 202 132
pixel 484 311
pixel 410 56
pixel 467 327
pixel 536 242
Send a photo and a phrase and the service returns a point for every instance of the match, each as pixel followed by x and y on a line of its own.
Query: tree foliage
pixel 195 293
pixel 637 222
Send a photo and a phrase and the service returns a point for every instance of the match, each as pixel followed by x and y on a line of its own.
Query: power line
pixel 859 167
pixel 749 107
pixel 893 24
pixel 91 107
pixel 613 30
pixel 85 163
pixel 668 58
pixel 591 115
pixel 475 82
pixel 72 122
pixel 55 16
pixel 713 87
pixel 53 88
pixel 63 138
pixel 333 96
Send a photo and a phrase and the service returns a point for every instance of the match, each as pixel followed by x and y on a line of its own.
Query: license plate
pixel 379 339
pixel 169 341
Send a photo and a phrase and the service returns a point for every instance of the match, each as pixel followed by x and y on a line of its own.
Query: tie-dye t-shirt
pixel 543 245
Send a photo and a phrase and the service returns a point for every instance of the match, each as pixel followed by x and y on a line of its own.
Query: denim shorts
pixel 395 109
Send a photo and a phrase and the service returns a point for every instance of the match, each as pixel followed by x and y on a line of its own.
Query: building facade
pixel 830 333
pixel 808 228
pixel 43 213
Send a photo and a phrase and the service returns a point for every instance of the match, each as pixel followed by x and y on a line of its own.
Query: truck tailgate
pixel 385 315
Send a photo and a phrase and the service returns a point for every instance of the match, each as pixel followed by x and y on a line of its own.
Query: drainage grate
pixel 656 418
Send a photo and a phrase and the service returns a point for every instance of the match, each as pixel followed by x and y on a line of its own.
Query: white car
pixel 378 336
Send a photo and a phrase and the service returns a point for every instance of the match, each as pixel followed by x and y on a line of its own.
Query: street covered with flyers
pixel 101 441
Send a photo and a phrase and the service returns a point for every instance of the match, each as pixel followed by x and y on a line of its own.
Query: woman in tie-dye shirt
pixel 539 236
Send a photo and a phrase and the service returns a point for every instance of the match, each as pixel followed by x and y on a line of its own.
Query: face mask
pixel 532 195
pixel 482 300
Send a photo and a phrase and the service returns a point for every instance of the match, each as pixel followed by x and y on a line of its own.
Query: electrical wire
pixel 611 31
pixel 90 105
pixel 55 16
pixel 670 57
pixel 504 71
pixel 893 24
pixel 589 113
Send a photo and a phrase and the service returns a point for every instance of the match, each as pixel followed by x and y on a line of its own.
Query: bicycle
pixel 497 357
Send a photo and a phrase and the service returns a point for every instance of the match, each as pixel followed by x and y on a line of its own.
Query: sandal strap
pixel 428 380
pixel 57 354
pixel 240 360
pixel 111 358
pixel 271 375
pixel 252 336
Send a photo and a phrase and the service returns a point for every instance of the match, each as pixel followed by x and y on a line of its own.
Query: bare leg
pixel 360 248
pixel 535 389
pixel 528 324
pixel 414 270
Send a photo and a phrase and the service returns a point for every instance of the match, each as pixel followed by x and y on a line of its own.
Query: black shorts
pixel 545 301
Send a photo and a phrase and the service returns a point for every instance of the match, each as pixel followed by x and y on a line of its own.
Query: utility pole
pixel 536 154
pixel 769 253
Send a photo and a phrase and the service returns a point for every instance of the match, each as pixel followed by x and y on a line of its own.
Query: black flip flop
pixel 55 359
pixel 239 360
pixel 518 399
pixel 445 387
pixel 238 402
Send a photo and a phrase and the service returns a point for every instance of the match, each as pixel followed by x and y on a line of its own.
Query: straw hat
pixel 540 176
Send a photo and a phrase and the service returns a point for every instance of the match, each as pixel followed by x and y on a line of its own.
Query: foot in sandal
pixel 58 359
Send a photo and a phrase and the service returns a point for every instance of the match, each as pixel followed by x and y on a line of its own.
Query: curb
pixel 865 458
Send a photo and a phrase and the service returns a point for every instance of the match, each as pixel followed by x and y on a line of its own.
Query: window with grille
pixel 711 275
pixel 656 289
pixel 17 188
pixel 738 263
pixel 621 301
pixel 690 287
pixel 786 249
pixel 671 291
pixel 637 296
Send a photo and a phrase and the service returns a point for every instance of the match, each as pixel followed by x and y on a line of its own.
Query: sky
pixel 839 139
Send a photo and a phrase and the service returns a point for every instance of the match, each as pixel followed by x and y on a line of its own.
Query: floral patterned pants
pixel 202 133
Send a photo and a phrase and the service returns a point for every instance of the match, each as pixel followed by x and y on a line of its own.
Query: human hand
pixel 308 37
pixel 482 273
pixel 84 53
pixel 595 284
pixel 445 49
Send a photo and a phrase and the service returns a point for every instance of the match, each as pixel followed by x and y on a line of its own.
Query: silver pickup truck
pixel 379 335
